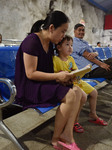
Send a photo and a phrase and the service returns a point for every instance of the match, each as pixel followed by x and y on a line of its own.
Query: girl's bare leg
pixel 83 101
pixel 65 116
pixel 92 103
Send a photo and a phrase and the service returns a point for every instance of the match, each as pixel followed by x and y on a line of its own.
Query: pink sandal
pixel 72 146
pixel 78 128
pixel 56 147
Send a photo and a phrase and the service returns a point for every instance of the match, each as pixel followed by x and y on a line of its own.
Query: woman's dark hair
pixel 78 25
pixel 57 18
pixel 36 26
pixel 66 37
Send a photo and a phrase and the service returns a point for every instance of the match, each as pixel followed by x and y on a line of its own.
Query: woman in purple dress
pixel 38 85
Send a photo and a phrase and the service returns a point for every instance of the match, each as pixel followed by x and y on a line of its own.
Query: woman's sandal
pixel 99 121
pixel 72 146
pixel 56 147
pixel 78 128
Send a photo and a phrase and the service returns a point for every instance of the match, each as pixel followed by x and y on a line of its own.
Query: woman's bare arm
pixel 31 62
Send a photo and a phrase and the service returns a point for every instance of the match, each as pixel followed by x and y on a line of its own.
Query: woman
pixel 38 85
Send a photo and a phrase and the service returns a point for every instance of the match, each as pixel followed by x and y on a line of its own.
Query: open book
pixel 79 73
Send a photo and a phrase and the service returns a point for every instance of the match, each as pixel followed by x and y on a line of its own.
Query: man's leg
pixel 99 73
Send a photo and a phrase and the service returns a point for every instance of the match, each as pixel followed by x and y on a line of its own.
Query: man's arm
pixel 92 55
pixel 86 54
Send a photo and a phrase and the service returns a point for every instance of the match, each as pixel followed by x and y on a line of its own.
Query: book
pixel 79 73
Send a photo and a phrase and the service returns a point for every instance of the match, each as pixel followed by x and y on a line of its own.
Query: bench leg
pixel 10 135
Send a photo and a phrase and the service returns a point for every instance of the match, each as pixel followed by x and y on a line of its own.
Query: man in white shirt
pixel 98 44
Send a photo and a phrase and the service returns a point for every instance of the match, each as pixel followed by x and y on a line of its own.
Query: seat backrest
pixel 7 61
pixel 101 54
pixel 7 68
pixel 4 92
pixel 110 50
pixel 107 52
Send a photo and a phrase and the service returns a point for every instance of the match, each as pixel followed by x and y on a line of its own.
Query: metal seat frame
pixel 3 127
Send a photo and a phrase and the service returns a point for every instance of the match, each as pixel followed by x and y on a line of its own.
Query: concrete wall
pixel 17 16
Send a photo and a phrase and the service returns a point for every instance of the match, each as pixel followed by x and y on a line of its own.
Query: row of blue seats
pixel 104 52
pixel 7 70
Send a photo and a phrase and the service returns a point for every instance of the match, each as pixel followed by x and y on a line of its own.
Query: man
pixel 85 54
pixel 98 44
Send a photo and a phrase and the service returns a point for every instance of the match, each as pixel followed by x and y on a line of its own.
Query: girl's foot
pixel 78 128
pixel 93 116
pixel 99 121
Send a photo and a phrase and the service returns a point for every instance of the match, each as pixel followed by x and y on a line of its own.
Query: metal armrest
pixel 3 127
pixel 12 89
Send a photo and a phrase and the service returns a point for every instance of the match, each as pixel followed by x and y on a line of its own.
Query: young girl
pixel 65 62
pixel 38 85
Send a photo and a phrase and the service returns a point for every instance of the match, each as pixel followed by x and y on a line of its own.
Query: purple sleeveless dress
pixel 36 93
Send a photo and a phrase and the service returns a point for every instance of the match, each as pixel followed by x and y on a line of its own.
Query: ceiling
pixel 105 5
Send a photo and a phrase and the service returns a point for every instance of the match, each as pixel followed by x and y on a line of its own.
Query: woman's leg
pixel 65 116
pixel 92 103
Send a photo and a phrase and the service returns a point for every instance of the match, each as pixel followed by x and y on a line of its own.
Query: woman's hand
pixel 64 77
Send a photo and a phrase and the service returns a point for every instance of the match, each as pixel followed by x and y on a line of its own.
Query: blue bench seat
pixel 95 79
pixel 8 55
pixel 101 54
pixel 92 83
pixel 107 52
pixel 43 110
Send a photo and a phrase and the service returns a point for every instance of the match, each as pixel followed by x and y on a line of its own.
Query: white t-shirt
pixel 1 44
